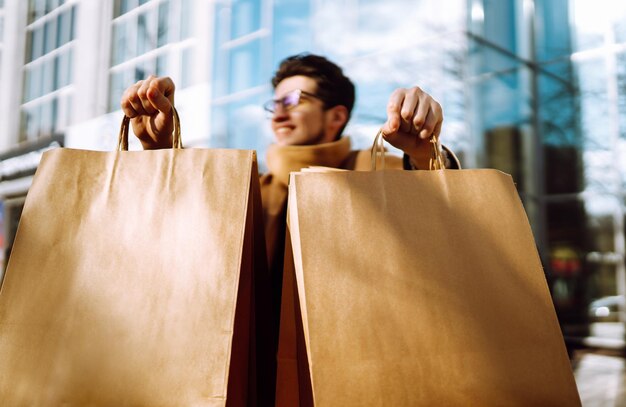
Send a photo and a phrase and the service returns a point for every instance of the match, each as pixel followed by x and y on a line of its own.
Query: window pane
pixel 244 69
pixel 48 76
pixel 54 106
pixel 121 43
pixel 27 84
pixel 187 67
pixel 50 35
pixel 64 28
pixel 163 24
pixel 50 5
pixel 34 82
pixel 62 65
pixel 24 119
pixel 246 17
pixel 161 67
pixel 45 127
pixel 37 43
pixel 73 25
pixel 146 40
pixel 123 6
pixel 36 9
pixel 29 123
pixel 34 125
pixel 116 88
pixel 185 19
pixel 143 70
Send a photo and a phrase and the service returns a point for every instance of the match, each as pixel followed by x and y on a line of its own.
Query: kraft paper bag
pixel 131 281
pixel 420 288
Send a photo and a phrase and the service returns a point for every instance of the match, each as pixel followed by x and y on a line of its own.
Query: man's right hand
pixel 149 105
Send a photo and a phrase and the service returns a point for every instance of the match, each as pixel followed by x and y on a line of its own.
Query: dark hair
pixel 333 87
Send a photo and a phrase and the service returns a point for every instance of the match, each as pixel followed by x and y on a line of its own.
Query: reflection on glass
pixel 594 102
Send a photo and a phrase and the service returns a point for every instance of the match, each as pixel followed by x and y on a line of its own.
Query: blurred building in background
pixel 535 88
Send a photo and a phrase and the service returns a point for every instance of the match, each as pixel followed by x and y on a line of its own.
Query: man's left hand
pixel 413 116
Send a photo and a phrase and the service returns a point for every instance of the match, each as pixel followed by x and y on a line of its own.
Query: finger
pixel 421 115
pixel 410 102
pixel 127 107
pixel 142 93
pixel 393 112
pixel 133 98
pixel 158 92
pixel 437 130
pixel 437 112
pixel 429 125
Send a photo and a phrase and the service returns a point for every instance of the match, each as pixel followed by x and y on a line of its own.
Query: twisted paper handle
pixel 436 160
pixel 122 139
pixel 378 150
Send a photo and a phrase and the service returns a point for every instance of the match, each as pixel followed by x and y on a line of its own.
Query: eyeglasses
pixel 289 101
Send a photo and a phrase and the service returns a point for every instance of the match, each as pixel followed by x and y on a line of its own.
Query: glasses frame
pixel 271 105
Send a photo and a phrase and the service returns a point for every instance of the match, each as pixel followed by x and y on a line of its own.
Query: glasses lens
pixel 291 99
pixel 270 106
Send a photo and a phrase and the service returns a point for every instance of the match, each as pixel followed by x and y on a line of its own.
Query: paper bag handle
pixel 122 139
pixel 378 149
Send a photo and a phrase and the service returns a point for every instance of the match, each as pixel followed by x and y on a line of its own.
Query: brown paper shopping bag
pixel 422 288
pixel 131 280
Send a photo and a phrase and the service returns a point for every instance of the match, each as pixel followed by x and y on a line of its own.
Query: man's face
pixel 304 123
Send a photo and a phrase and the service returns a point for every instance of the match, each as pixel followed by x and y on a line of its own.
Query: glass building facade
pixel 547 106
pixel 47 95
pixel 149 38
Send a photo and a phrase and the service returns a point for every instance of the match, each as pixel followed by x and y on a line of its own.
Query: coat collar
pixel 281 160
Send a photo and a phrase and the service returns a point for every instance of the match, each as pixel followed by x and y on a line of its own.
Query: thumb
pixel 391 126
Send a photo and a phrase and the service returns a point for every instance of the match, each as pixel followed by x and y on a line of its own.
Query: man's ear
pixel 336 119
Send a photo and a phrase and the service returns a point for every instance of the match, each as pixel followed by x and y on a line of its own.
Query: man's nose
pixel 280 112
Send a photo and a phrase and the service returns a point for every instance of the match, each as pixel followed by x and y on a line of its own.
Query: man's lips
pixel 284 129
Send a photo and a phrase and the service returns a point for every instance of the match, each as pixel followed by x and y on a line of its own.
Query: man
pixel 312 104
